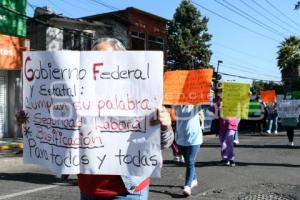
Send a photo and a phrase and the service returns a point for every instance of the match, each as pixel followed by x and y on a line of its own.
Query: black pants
pixel 290 133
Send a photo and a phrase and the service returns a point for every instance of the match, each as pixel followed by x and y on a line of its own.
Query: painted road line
pixel 27 192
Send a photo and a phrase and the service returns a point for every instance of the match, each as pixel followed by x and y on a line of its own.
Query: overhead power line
pixel 273 15
pixel 75 5
pixel 235 23
pixel 58 7
pixel 246 63
pixel 240 69
pixel 250 18
pixel 105 5
pixel 243 52
pixel 41 21
pixel 279 11
pixel 245 77
pixel 266 17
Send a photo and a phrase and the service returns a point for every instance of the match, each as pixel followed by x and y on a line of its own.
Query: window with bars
pixel 155 43
pixel 77 40
pixel 138 41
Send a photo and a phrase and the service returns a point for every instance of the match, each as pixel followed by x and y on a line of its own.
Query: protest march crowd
pixel 180 121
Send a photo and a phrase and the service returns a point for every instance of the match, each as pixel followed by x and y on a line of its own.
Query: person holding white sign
pixel 98 187
pixel 289 118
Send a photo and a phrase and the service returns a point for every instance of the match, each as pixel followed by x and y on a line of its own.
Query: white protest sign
pixel 288 108
pixel 90 112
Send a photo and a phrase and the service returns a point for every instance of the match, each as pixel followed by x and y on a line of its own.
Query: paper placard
pixel 288 108
pixel 235 98
pixel 187 87
pixel 268 96
pixel 90 111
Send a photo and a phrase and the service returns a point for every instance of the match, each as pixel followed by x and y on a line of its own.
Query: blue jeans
pixel 236 136
pixel 142 195
pixel 272 119
pixel 190 154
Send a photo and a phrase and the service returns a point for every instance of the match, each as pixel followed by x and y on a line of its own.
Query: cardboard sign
pixel 235 100
pixel 268 96
pixel 90 112
pixel 187 87
pixel 288 108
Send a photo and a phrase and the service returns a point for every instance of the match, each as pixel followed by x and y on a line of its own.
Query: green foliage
pixel 297 5
pixel 187 38
pixel 288 61
pixel 289 53
pixel 260 85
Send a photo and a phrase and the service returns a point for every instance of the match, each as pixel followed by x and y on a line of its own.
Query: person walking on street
pixel 189 138
pixel 228 129
pixel 272 118
pixel 290 125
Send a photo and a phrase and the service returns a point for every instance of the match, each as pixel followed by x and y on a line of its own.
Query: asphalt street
pixel 266 169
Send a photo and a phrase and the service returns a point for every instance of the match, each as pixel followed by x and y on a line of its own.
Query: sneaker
pixel 194 183
pixel 187 191
pixel 275 132
pixel 236 141
pixel 223 162
pixel 268 131
pixel 291 144
pixel 176 159
pixel 231 163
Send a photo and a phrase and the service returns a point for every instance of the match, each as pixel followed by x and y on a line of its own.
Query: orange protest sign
pixel 187 86
pixel 268 96
pixel 11 51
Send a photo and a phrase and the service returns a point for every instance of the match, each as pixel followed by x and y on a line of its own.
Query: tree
pixel 297 5
pixel 261 85
pixel 288 60
pixel 187 38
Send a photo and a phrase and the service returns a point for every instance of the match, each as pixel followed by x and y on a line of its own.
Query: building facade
pixel 137 29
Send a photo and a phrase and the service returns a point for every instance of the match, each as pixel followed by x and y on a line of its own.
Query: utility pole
pixel 216 79
pixel 219 62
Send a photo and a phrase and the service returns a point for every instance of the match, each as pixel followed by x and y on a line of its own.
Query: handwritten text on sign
pixel 187 86
pixel 288 108
pixel 235 100
pixel 90 112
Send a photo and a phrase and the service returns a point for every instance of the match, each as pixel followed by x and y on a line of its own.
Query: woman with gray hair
pixel 111 43
pixel 96 187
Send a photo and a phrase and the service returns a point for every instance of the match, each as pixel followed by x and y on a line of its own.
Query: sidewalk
pixel 11 144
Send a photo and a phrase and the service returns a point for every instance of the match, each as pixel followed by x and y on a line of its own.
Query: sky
pixel 246 33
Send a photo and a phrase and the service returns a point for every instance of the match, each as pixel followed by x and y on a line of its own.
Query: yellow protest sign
pixel 235 100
